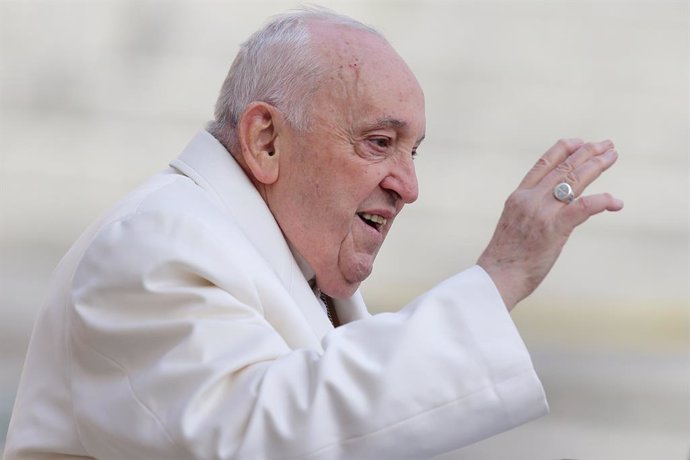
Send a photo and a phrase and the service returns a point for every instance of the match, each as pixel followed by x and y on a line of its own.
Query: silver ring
pixel 563 192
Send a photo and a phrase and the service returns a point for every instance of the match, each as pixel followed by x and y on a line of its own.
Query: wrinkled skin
pixel 355 161
pixel 336 189
pixel 534 225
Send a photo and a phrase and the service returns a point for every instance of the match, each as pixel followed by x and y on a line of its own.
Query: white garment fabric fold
pixel 179 326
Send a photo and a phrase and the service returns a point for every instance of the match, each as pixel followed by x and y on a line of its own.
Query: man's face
pixel 342 183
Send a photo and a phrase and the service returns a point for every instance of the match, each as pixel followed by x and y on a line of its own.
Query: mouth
pixel 373 220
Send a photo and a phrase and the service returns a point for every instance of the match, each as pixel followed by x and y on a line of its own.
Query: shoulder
pixel 169 222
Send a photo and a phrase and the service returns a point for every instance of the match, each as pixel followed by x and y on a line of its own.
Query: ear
pixel 258 129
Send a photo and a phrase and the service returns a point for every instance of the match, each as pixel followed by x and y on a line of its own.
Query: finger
pixel 566 170
pixel 588 172
pixel 585 207
pixel 585 174
pixel 553 157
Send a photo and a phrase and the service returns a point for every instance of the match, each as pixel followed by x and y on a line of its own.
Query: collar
pixel 303 265
pixel 213 168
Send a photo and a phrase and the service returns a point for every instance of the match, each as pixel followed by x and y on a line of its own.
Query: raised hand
pixel 535 224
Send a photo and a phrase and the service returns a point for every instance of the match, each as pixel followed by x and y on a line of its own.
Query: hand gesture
pixel 538 219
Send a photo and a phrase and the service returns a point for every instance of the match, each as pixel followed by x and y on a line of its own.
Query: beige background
pixel 98 94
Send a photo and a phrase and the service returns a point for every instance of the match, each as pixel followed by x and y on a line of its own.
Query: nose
pixel 402 180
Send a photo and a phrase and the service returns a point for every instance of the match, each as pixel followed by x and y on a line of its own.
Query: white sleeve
pixel 448 370
pixel 167 364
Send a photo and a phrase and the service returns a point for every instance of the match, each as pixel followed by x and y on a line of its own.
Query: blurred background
pixel 96 95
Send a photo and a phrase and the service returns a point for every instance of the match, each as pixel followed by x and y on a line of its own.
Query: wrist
pixel 505 282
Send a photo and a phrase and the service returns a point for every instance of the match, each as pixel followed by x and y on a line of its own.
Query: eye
pixel 414 153
pixel 381 142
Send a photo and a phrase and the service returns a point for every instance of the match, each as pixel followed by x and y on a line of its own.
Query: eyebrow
pixel 388 122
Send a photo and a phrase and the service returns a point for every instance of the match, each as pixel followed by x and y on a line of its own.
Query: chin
pixel 353 279
pixel 346 284
pixel 347 276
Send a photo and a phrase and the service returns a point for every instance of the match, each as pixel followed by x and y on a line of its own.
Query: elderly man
pixel 214 312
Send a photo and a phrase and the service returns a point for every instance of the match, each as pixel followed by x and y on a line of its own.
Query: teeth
pixel 374 218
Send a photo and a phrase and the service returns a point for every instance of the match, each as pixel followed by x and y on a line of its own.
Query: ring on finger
pixel 563 192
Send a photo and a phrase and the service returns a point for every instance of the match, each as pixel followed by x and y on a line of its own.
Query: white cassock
pixel 180 326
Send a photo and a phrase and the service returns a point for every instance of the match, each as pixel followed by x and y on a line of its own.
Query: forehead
pixel 364 73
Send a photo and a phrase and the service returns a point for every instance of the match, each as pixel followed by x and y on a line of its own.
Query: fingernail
pixel 611 153
pixel 607 144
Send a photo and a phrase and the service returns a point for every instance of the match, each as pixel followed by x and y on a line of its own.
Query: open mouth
pixel 373 220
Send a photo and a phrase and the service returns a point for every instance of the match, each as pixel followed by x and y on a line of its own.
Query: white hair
pixel 278 66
